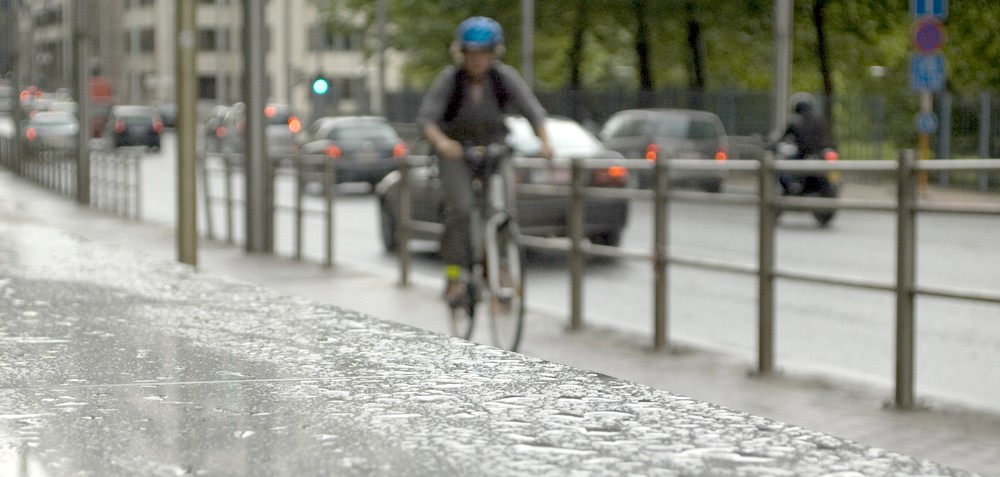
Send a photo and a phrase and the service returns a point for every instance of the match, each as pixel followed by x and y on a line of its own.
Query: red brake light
pixel 220 132
pixel 157 126
pixel 614 176
pixel 270 111
pixel 31 134
pixel 332 151
pixel 294 125
pixel 25 95
pixel 399 150
pixel 720 154
pixel 830 155
pixel 119 126
pixel 652 151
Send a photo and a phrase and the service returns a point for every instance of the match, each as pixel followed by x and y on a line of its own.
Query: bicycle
pixel 495 276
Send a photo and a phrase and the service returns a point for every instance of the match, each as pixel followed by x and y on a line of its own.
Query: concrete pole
pixel 82 54
pixel 782 65
pixel 134 57
pixel 221 51
pixel 382 45
pixel 286 49
pixel 258 209
pixel 187 209
pixel 528 41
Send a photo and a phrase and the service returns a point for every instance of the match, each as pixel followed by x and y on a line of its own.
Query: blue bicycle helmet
pixel 479 33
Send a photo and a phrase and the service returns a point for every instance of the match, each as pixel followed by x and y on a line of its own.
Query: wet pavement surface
pixel 117 361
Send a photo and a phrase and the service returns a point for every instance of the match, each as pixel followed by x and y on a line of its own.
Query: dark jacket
pixel 809 132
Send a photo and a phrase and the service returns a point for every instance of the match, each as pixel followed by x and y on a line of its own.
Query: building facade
pixel 132 42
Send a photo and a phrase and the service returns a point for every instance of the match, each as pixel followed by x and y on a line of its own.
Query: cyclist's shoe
pixel 456 293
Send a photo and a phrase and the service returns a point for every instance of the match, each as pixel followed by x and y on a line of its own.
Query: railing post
pixel 206 195
pixel 300 181
pixel 228 168
pixel 661 272
pixel 576 253
pixel 906 188
pixel 137 202
pixel 329 189
pixel 765 269
pixel 403 228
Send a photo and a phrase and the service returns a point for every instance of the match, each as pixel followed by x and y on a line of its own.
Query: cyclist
pixel 806 129
pixel 465 107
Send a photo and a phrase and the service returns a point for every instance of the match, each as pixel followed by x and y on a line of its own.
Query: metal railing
pixel 909 175
pixel 296 170
pixel 115 174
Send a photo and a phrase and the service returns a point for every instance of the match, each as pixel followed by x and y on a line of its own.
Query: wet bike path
pixel 255 376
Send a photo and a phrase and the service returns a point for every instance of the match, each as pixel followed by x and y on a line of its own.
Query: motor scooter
pixel 811 184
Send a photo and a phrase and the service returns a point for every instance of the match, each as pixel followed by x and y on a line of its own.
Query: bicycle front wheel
pixel 462 314
pixel 505 298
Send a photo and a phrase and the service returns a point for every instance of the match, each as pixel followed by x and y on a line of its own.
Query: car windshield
pixel 667 126
pixel 363 132
pixel 137 120
pixel 53 119
pixel 274 115
pixel 565 137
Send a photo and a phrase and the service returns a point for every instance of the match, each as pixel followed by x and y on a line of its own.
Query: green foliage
pixel 736 41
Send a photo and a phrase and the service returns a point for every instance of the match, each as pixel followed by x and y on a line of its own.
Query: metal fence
pixel 871 126
pixel 224 193
pixel 908 173
pixel 115 174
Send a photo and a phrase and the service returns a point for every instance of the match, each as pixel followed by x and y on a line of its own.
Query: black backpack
pixel 455 101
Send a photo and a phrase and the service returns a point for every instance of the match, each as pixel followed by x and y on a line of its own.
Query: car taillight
pixel 294 125
pixel 720 154
pixel 157 126
pixel 119 127
pixel 31 134
pixel 830 155
pixel 652 151
pixel 615 176
pixel 220 132
pixel 399 150
pixel 332 151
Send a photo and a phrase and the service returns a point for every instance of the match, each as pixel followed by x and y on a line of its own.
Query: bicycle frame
pixel 496 265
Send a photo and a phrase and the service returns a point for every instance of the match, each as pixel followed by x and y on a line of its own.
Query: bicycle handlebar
pixel 483 160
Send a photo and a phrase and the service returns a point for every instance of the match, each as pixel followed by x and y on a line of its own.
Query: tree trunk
pixel 819 8
pixel 642 54
pixel 575 59
pixel 696 75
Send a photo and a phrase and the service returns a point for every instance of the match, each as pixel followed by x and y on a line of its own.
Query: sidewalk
pixel 952 436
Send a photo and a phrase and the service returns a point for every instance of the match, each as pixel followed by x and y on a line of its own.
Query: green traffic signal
pixel 320 85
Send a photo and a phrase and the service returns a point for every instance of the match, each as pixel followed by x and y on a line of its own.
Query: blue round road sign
pixel 928 35
pixel 926 123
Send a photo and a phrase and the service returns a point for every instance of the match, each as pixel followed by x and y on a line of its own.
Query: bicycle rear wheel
pixel 461 315
pixel 505 298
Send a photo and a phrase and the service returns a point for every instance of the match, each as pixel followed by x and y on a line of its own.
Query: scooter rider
pixel 465 107
pixel 806 130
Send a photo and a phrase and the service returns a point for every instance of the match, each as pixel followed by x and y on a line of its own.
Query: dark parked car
pixel 538 215
pixel 52 130
pixel 132 125
pixel 362 148
pixel 678 133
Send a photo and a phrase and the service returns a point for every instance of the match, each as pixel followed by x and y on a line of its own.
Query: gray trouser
pixel 456 181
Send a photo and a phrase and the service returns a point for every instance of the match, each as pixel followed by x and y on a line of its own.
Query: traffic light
pixel 320 85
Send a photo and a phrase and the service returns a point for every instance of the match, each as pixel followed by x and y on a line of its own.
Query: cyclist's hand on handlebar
pixel 449 149
pixel 545 150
